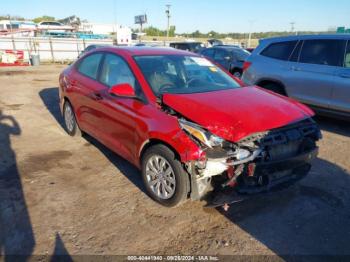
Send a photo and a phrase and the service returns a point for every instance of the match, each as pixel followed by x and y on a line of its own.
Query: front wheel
pixel 165 179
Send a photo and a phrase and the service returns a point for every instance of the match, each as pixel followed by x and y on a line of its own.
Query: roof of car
pixel 306 37
pixel 144 50
pixel 189 43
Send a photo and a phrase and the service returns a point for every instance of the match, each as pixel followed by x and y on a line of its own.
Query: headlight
pixel 200 134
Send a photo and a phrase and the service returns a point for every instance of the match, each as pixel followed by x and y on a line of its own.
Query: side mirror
pixel 123 90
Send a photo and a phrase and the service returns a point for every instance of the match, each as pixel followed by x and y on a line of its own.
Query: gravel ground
pixel 60 195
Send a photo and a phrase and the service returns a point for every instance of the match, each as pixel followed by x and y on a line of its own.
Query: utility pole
pixel 292 27
pixel 9 16
pixel 168 17
pixel 250 32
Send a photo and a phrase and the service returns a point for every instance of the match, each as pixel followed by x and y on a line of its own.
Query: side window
pixel 116 71
pixel 296 52
pixel 89 65
pixel 281 51
pixel 323 52
pixel 209 53
pixel 347 56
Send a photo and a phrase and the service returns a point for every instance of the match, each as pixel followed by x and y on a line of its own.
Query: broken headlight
pixel 200 134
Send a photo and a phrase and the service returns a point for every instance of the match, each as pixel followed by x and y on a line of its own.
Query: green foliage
pixel 44 18
pixel 153 31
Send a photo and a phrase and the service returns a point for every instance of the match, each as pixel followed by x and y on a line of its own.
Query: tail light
pixel 246 65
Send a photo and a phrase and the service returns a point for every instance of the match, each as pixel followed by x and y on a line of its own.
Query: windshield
pixel 178 74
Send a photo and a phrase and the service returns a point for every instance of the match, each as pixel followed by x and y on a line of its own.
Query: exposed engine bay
pixel 257 163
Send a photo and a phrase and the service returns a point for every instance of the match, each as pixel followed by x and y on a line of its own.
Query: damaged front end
pixel 256 164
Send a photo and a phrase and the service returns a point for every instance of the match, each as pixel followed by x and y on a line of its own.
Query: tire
pixel 237 73
pixel 275 88
pixel 155 179
pixel 70 122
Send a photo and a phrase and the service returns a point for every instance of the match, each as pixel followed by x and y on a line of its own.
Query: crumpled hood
pixel 237 113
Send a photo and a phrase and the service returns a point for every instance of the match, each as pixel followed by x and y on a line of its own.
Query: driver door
pixel 118 116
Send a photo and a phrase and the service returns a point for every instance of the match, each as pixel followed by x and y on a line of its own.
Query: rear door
pixel 312 75
pixel 209 53
pixel 341 87
pixel 86 91
pixel 223 57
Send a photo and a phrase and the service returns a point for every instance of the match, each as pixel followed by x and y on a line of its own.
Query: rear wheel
pixel 70 121
pixel 274 87
pixel 165 179
pixel 237 73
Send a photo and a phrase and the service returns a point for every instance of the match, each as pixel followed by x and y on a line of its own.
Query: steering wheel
pixel 166 86
pixel 193 79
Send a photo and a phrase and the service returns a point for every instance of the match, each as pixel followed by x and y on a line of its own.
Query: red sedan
pixel 189 126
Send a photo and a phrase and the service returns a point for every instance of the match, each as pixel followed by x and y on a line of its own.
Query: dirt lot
pixel 60 195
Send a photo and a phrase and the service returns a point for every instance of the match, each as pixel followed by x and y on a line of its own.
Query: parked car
pixel 214 42
pixel 194 47
pixel 314 69
pixel 90 48
pixel 187 125
pixel 52 26
pixel 250 49
pixel 230 57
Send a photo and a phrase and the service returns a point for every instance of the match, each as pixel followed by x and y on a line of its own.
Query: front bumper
pixel 279 174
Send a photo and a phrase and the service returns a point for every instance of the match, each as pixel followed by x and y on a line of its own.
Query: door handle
pixel 96 96
pixel 345 75
pixel 294 68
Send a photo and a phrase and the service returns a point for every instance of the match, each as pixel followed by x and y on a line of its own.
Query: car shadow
pixel 16 232
pixel 310 218
pixel 50 98
pixel 333 125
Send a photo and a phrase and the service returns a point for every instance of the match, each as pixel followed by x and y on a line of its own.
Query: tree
pixel 44 18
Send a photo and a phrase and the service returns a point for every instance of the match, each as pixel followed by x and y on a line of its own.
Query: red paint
pixel 236 113
pixel 126 124
pixel 122 90
pixel 246 65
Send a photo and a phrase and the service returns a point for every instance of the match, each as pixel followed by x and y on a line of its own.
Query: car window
pixel 296 52
pixel 116 71
pixel 208 53
pixel 220 54
pixel 323 52
pixel 281 51
pixel 347 56
pixel 89 65
pixel 241 54
pixel 179 74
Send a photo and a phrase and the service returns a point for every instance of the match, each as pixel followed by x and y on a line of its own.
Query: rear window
pixel 89 65
pixel 208 53
pixel 347 56
pixel 281 51
pixel 241 54
pixel 323 52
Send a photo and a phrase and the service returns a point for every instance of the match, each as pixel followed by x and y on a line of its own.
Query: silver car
pixel 314 69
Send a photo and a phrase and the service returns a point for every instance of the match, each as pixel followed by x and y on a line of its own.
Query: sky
pixel 190 15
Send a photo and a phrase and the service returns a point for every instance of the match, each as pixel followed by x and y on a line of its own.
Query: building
pixel 123 34
pixel 17 28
